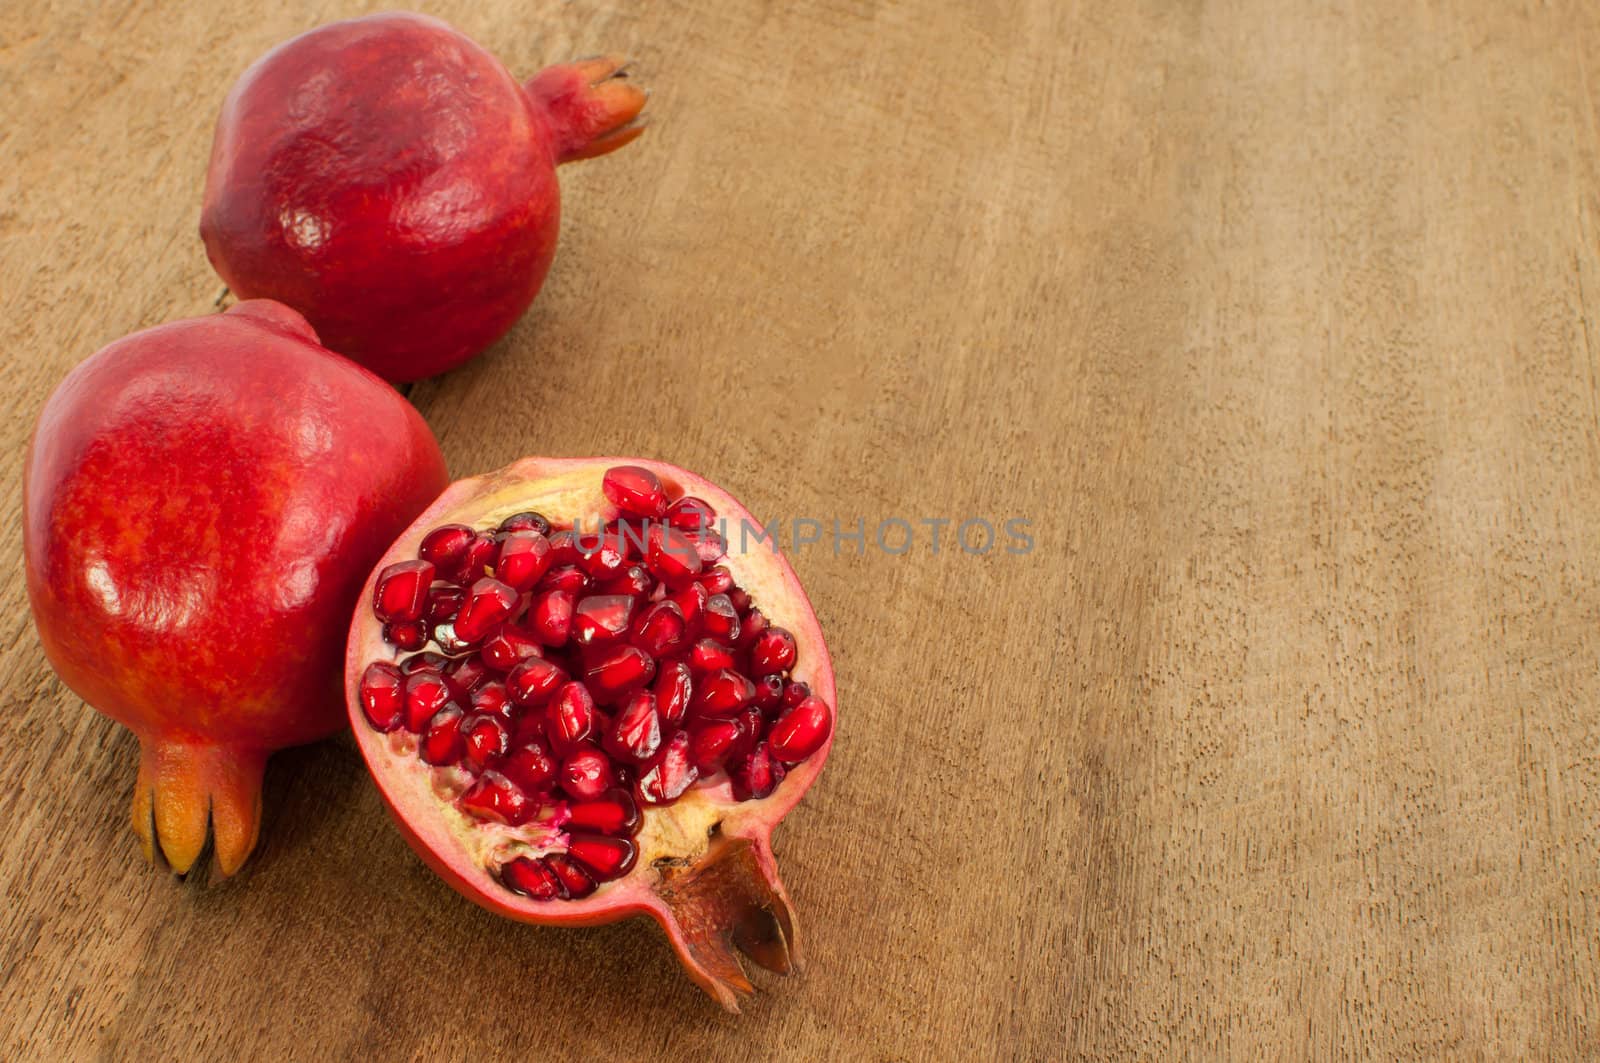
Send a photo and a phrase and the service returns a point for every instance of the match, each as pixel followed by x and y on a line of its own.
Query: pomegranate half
pixel 589 689
pixel 388 178
pixel 202 501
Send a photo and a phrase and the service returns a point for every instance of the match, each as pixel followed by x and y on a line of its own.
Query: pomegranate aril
pixel 383 695
pixel 634 490
pixel 563 548
pixel 717 580
pixel 528 521
pixel 492 699
pixel 801 731
pixel 769 694
pixel 552 617
pixel 446 547
pixel 441 745
pixel 636 734
pixel 466 674
pixel 569 720
pixel 407 634
pixel 568 578
pixel 794 693
pixel 740 598
pixel 603 856
pixel 671 556
pixel 613 812
pixel 495 797
pixel 426 693
pixel 689 512
pixel 401 592
pixel 601 618
pixel 669 775
pixel 480 556
pixel 634 581
pixel 445 635
pixel 720 619
pixel 756 776
pixel 530 766
pixel 489 604
pixel 534 680
pixel 509 647
pixel 522 560
pixel 673 690
pixel 444 602
pixel 774 651
pixel 709 655
pixel 691 601
pixel 619 671
pixel 722 694
pixel 532 878
pixel 708 543
pixel 752 626
pixel 710 745
pixel 601 554
pixel 486 739
pixel 751 724
pixel 586 774
pixel 575 881
pixel 659 629
pixel 434 662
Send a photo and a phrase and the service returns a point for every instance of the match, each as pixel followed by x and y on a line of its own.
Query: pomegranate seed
pixel 769 694
pixel 740 599
pixel 492 699
pixel 489 604
pixel 709 745
pixel 509 647
pixel 756 776
pixel 480 556
pixel 671 556
pixel 575 881
pixel 531 878
pixel 801 731
pixel 529 521
pixel 552 617
pixel 673 690
pixel 773 652
pixel 426 694
pixel 602 856
pixel 752 626
pixel 717 580
pixel 530 766
pixel 633 536
pixel 669 775
pixel 659 629
pixel 601 618
pixel 442 744
pixel 445 636
pixel 495 797
pixel 570 716
pixel 689 513
pixel 722 694
pixel 634 581
pixel 563 548
pixel 619 671
pixel 534 680
pixel 720 619
pixel 794 694
pixel 466 674
pixel 446 547
pixel 708 543
pixel 634 490
pixel 486 739
pixel 637 733
pixel 613 812
pixel 444 602
pixel 401 592
pixel 602 554
pixel 568 578
pixel 709 655
pixel 691 601
pixel 522 560
pixel 433 662
pixel 407 634
pixel 383 697
pixel 586 774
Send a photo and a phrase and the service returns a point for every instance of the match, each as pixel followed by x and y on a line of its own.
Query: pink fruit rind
pixel 725 850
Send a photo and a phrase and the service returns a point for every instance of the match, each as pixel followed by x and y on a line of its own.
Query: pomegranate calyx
pixel 589 106
pixel 191 797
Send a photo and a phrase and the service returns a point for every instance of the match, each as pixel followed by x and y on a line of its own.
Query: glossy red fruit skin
pixel 203 500
pixel 364 167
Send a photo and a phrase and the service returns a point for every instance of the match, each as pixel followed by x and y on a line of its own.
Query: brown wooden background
pixel 1275 317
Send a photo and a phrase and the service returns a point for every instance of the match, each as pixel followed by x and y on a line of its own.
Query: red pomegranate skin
pixel 388 178
pixel 203 501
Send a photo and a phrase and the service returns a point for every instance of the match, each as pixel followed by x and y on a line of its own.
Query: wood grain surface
pixel 1274 317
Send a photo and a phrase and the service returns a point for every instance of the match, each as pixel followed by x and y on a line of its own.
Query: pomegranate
pixel 201 503
pixel 389 179
pixel 595 721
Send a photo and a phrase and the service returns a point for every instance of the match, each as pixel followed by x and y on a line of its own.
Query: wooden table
pixel 1274 318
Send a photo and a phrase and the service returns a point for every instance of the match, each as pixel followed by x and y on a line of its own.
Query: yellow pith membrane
pixel 664 817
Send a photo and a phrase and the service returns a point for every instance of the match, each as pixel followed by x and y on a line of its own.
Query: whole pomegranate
pixel 389 179
pixel 588 689
pixel 202 501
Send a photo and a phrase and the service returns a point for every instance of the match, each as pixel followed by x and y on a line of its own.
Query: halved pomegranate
pixel 579 707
